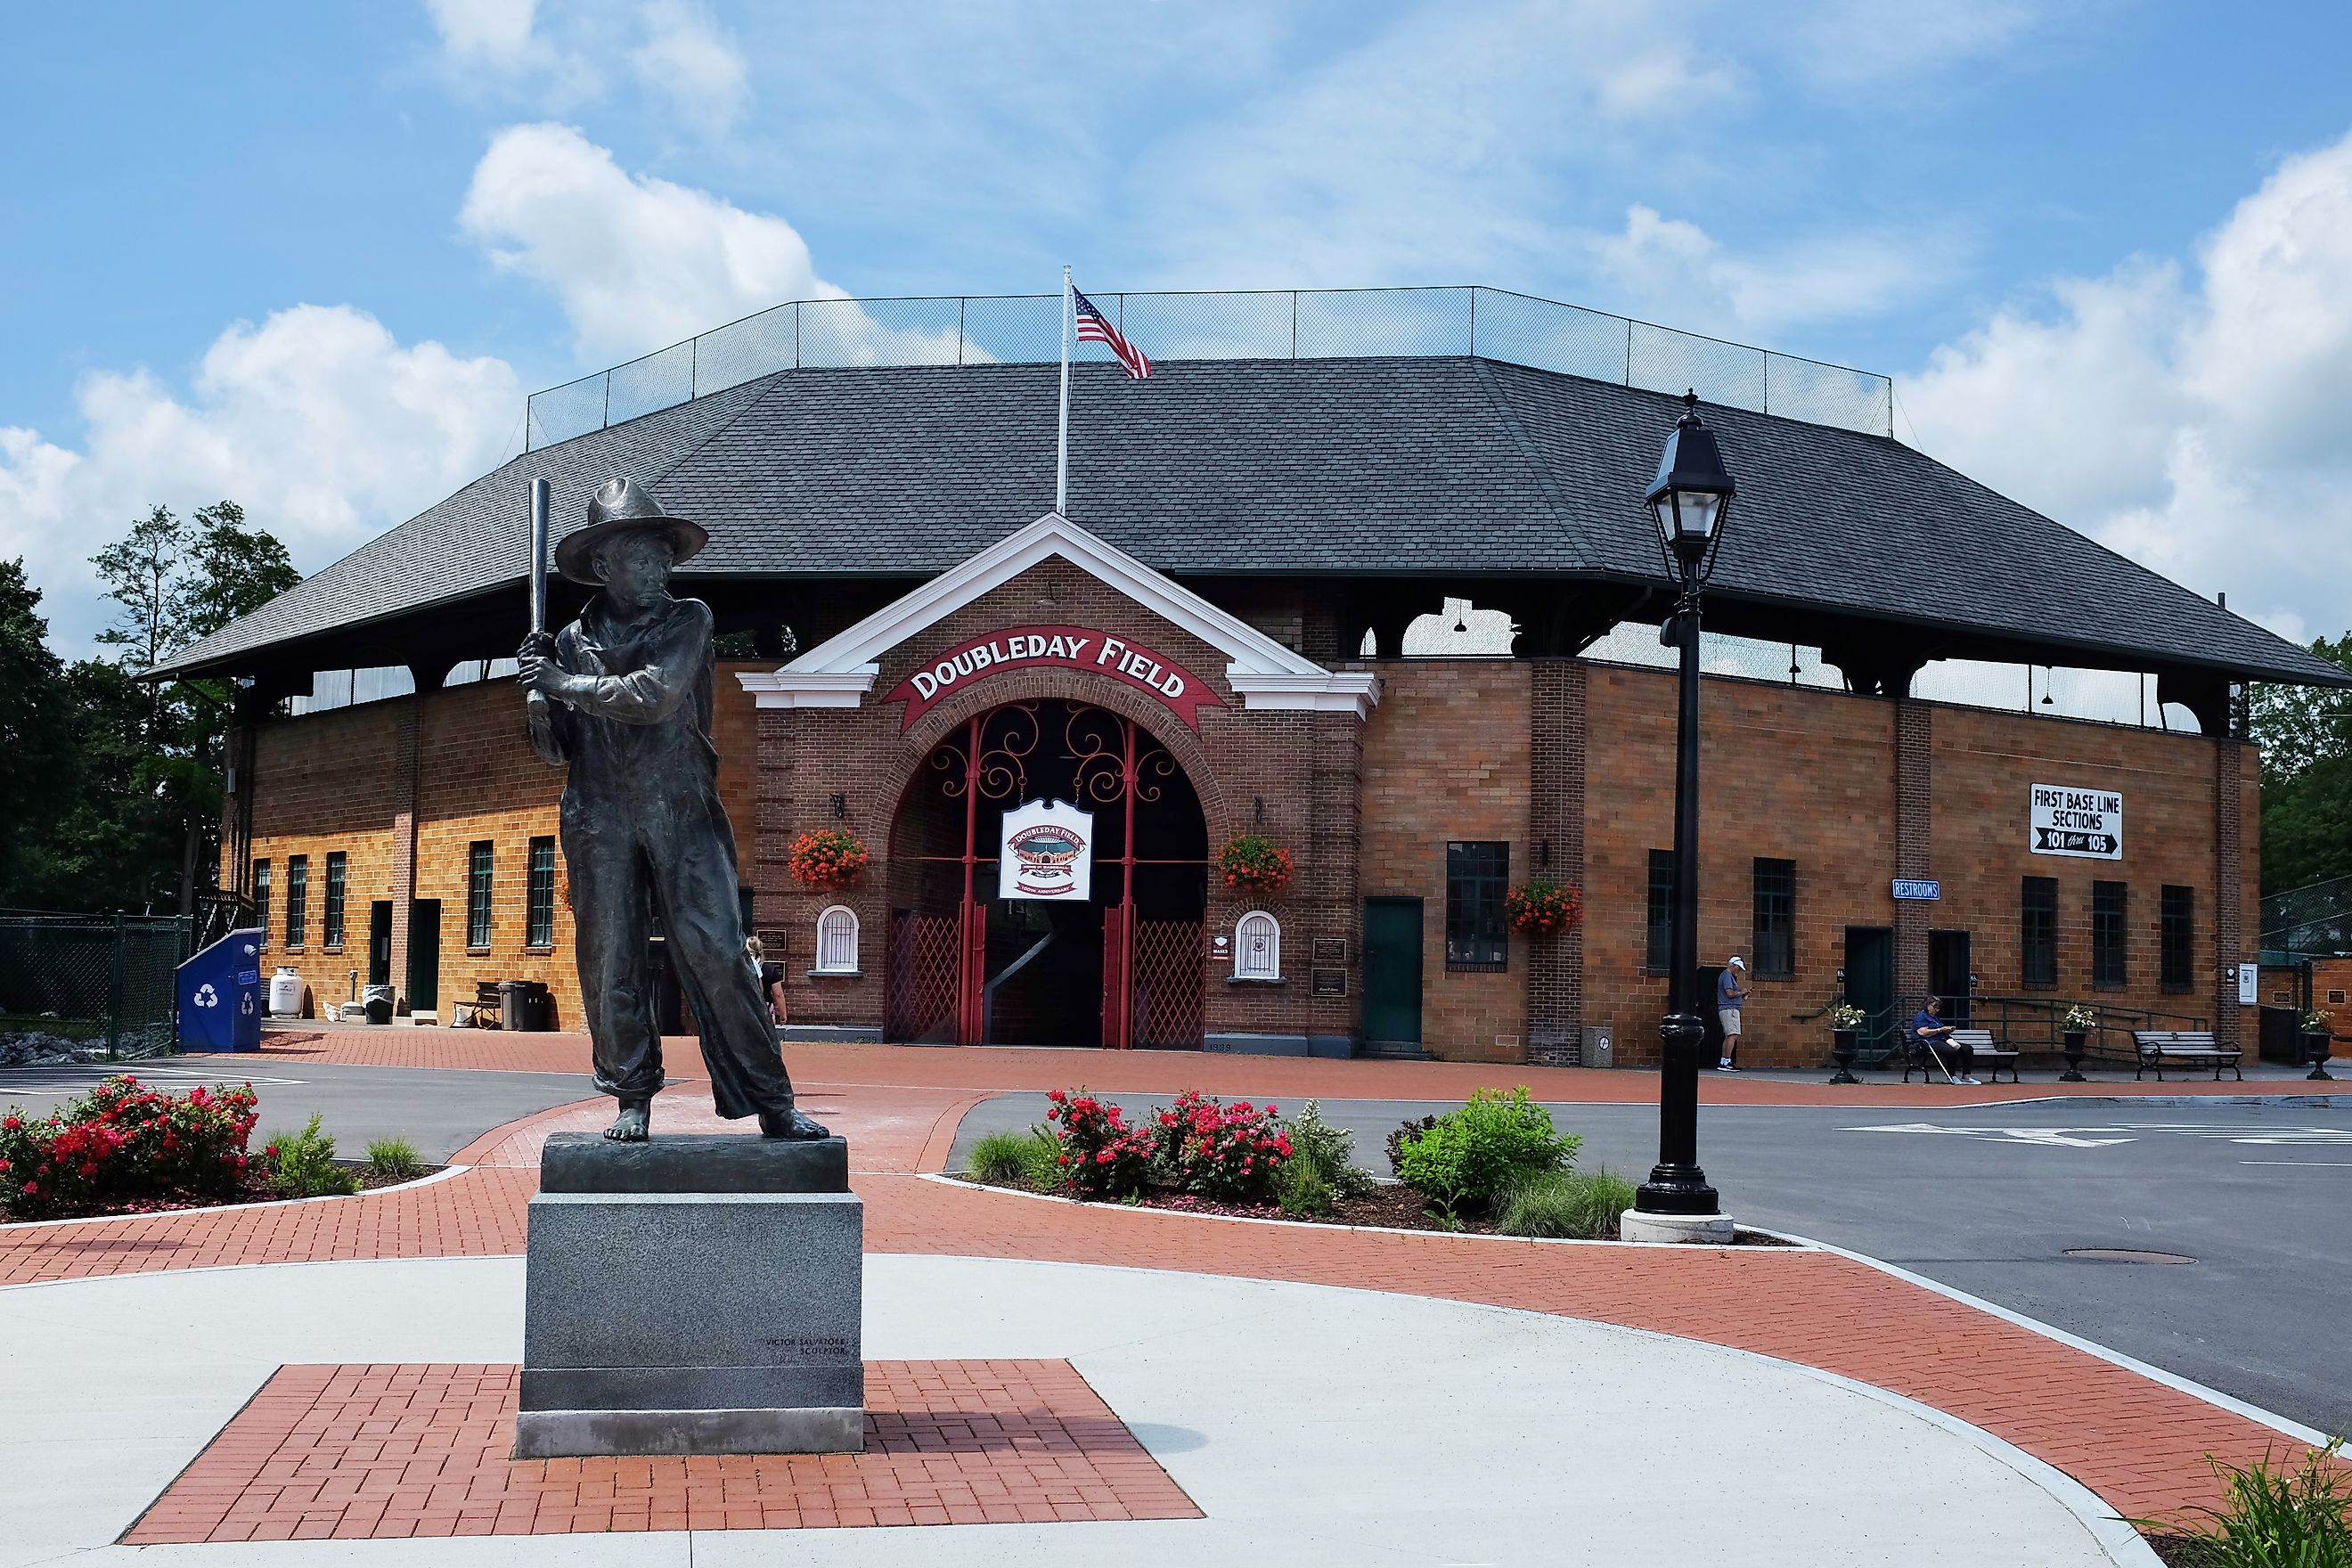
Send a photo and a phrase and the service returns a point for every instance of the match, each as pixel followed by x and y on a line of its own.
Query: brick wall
pixel 1984 764
pixel 405 788
pixel 1447 757
pixel 1289 776
pixel 1555 792
pixel 1785 773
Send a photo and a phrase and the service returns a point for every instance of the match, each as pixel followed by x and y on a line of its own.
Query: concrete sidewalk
pixel 1323 1425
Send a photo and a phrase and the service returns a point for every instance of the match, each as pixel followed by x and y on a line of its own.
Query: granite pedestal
pixel 692 1294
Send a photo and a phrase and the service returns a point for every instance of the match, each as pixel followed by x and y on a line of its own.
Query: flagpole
pixel 1062 455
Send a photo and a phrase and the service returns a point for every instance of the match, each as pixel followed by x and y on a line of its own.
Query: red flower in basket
pixel 1540 908
pixel 1255 864
pixel 828 857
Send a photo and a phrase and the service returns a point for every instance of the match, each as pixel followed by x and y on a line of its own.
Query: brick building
pixel 1212 646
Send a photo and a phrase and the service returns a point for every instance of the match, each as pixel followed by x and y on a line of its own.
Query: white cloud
pixel 484 32
pixel 690 59
pixel 319 421
pixel 639 263
pixel 635 262
pixel 1676 271
pixel 1852 42
pixel 2202 426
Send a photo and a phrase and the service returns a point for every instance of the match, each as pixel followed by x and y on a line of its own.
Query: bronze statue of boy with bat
pixel 622 697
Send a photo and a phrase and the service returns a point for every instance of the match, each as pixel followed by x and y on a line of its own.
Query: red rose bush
pixel 123 1148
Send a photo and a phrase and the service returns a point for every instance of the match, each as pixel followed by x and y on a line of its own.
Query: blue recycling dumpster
pixel 220 995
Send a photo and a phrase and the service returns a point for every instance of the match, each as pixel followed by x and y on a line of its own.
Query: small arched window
pixel 836 940
pixel 1257 947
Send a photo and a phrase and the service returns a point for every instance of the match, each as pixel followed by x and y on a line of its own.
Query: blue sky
pixel 314 257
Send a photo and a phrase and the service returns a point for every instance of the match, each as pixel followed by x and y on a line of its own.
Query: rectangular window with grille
pixel 1661 950
pixel 478 894
pixel 2108 901
pixel 1775 950
pixel 297 898
pixel 1477 876
pixel 538 917
pixel 332 916
pixel 2177 939
pixel 2038 932
pixel 261 899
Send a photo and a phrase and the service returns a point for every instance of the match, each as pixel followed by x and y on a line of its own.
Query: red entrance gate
pixel 968 969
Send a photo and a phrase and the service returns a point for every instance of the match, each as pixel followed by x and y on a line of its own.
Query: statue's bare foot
pixel 632 1124
pixel 790 1123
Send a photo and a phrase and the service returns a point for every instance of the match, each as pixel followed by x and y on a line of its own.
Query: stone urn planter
pixel 2074 1043
pixel 1842 1052
pixel 2318 1045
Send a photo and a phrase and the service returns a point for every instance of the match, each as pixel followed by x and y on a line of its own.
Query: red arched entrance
pixel 1123 969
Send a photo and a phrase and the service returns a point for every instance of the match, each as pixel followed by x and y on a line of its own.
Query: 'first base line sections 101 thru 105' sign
pixel 2087 823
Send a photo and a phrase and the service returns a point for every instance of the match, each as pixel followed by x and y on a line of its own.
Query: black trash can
pixel 525 1004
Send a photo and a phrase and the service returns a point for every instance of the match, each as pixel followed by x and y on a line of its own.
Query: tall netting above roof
pixel 2313 922
pixel 1288 323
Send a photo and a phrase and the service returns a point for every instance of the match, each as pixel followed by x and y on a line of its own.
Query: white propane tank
pixel 285 993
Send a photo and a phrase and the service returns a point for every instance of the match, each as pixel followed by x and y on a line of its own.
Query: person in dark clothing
pixel 623 697
pixel 771 979
pixel 1935 1036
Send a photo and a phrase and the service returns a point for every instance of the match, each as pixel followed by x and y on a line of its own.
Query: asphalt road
pixel 1991 1200
pixel 438 1111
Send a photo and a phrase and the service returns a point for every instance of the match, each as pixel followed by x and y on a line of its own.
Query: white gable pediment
pixel 840 671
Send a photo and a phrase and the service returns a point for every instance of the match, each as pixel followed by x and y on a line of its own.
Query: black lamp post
pixel 1690 499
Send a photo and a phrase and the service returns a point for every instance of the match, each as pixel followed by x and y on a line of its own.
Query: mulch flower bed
pixel 254 1189
pixel 1389 1206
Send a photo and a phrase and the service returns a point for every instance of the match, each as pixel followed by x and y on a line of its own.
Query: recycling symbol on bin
pixel 245 1006
pixel 205 996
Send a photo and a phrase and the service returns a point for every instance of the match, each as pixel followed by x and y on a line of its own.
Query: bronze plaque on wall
pixel 1331 983
pixel 1331 950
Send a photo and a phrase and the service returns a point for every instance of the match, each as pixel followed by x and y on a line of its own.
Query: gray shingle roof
pixel 1399 466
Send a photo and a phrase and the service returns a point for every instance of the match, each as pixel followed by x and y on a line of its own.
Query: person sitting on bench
pixel 1935 1037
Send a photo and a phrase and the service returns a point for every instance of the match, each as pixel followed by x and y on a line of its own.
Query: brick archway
pixel 1123 965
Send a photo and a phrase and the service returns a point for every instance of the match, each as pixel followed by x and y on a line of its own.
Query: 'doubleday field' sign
pixel 1054 647
pixel 2087 823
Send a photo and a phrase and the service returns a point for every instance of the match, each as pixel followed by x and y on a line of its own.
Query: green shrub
pixel 1471 1156
pixel 1399 1135
pixel 302 1165
pixel 1330 1151
pixel 1300 1190
pixel 2271 1516
pixel 393 1160
pixel 1030 1159
pixel 1584 1205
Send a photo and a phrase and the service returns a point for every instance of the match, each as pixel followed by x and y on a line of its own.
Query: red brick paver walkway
pixel 2138 1444
pixel 387 1451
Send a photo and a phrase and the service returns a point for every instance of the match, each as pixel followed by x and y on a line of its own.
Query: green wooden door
pixel 424 955
pixel 1869 984
pixel 1393 970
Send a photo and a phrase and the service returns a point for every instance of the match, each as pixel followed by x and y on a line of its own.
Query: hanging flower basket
pixel 1540 908
pixel 829 857
pixel 1254 863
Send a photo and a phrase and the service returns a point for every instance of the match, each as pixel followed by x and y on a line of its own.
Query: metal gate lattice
pixel 924 950
pixel 1167 985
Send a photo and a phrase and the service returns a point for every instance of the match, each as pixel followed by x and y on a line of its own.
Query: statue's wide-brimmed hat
pixel 619 507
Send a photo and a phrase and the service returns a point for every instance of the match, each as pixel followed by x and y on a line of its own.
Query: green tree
pixel 38 755
pixel 2305 734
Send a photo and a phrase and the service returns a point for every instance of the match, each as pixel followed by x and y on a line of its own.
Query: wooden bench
pixel 2184 1047
pixel 1980 1042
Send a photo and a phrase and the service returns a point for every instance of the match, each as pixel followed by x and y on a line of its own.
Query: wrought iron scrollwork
pixel 1000 772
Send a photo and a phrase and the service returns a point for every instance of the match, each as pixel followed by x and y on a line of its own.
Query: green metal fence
pixel 95 983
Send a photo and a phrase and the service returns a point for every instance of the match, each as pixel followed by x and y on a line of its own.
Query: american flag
pixel 1094 327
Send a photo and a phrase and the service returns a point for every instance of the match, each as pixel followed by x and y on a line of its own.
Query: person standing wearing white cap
pixel 1729 993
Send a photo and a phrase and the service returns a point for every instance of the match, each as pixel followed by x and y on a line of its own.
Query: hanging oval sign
pixel 1176 689
pixel 1048 853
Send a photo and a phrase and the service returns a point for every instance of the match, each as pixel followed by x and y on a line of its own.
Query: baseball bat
pixel 539 506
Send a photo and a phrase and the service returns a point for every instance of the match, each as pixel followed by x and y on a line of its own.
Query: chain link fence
pixel 2305 923
pixel 1287 323
pixel 89 985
